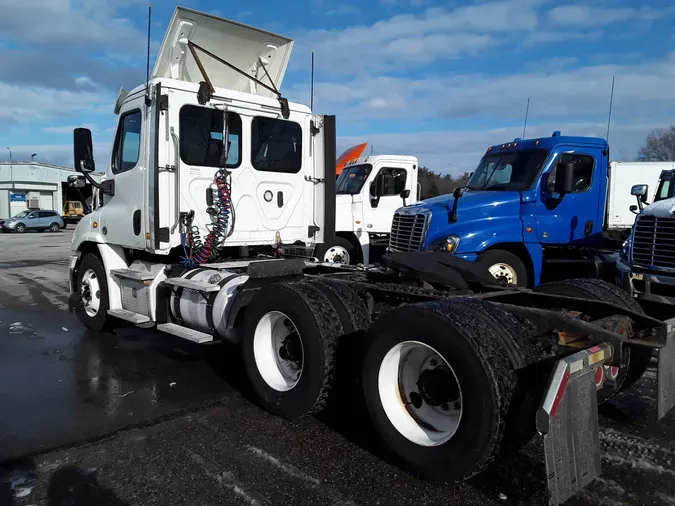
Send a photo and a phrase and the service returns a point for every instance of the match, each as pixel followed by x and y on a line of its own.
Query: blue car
pixel 40 221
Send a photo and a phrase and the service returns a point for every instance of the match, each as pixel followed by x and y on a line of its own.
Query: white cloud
pixel 458 151
pixel 25 104
pixel 68 129
pixel 61 154
pixel 582 15
pixel 94 23
pixel 642 91
pixel 343 9
pixel 413 39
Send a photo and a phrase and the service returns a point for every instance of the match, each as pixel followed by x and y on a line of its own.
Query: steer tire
pixel 497 256
pixel 101 321
pixel 472 346
pixel 637 357
pixel 319 328
pixel 324 248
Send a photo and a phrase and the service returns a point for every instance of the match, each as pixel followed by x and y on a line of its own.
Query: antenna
pixel 527 111
pixel 371 150
pixel 611 101
pixel 147 60
pixel 311 86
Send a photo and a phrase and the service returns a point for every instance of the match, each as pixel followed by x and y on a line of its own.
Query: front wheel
pixel 93 288
pixel 20 228
pixel 504 266
pixel 339 251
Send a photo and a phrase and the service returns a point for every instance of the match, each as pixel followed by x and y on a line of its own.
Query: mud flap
pixel 568 421
pixel 665 383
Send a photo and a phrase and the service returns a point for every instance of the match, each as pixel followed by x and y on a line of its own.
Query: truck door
pixel 122 218
pixel 390 179
pixel 578 215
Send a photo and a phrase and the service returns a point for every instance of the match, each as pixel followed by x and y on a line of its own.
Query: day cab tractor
pixel 215 180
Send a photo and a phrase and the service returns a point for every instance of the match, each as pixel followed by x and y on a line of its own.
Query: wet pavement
pixel 137 417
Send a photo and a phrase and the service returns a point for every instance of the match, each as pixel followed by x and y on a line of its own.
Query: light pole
pixel 32 157
pixel 11 167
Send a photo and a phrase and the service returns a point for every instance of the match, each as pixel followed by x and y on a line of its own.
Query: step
pixel 199 286
pixel 131 274
pixel 130 316
pixel 190 334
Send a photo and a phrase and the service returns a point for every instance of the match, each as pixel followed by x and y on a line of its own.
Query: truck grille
pixel 407 232
pixel 654 242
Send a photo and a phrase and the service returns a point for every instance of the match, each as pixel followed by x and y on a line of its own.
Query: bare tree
pixel 659 146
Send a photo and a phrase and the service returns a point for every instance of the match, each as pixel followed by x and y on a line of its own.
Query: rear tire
pixel 483 382
pixel 54 227
pixel 92 285
pixel 637 357
pixel 290 337
pixel 504 266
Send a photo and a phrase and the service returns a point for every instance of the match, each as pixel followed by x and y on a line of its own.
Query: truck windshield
pixel 352 179
pixel 514 170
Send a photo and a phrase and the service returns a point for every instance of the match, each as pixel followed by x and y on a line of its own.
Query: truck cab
pixel 646 263
pixel 210 131
pixel 529 203
pixel 369 190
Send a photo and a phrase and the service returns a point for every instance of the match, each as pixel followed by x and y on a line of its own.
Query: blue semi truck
pixel 534 210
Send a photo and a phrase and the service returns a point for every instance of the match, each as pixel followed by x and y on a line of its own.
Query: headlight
pixel 624 252
pixel 447 244
pixel 10 223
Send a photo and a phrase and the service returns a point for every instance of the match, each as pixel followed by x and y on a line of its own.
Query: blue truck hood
pixel 483 218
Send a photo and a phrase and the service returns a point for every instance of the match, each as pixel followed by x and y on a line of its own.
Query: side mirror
pixel 640 190
pixel 564 178
pixel 83 151
pixel 459 192
pixel 404 195
pixel 76 181
pixel 633 209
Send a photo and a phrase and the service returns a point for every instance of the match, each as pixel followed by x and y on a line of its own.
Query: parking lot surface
pixel 137 417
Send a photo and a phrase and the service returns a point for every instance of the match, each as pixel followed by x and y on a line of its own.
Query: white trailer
pixel 369 190
pixel 453 368
pixel 621 179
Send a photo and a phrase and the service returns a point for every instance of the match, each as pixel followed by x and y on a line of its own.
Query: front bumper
pixel 649 286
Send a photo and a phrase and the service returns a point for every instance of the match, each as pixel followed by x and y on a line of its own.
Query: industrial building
pixel 37 185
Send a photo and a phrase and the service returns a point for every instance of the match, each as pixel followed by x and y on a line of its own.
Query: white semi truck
pixel 369 191
pixel 210 163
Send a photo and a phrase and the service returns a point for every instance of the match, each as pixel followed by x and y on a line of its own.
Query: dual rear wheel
pixel 438 381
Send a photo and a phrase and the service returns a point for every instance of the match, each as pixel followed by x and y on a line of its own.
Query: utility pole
pixel 11 167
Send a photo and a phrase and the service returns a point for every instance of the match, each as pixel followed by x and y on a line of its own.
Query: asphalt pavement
pixel 141 418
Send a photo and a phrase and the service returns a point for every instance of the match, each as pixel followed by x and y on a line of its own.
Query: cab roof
pixel 548 142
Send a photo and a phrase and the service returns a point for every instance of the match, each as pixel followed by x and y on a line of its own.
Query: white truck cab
pixel 214 78
pixel 369 190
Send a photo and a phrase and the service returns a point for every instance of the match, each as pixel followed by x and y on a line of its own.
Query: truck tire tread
pixel 329 328
pixel 488 347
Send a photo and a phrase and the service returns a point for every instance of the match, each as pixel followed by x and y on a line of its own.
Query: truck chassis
pixel 453 368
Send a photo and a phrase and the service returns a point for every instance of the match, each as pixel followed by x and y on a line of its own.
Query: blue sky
pixel 441 80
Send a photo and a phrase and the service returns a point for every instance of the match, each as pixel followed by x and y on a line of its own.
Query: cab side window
pixel 127 147
pixel 276 145
pixel 389 181
pixel 201 137
pixel 583 172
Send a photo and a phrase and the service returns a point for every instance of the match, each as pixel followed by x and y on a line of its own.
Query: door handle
pixel 280 199
pixel 137 222
pixel 588 228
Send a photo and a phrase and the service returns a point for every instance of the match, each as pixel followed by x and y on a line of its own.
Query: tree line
pixel 659 146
